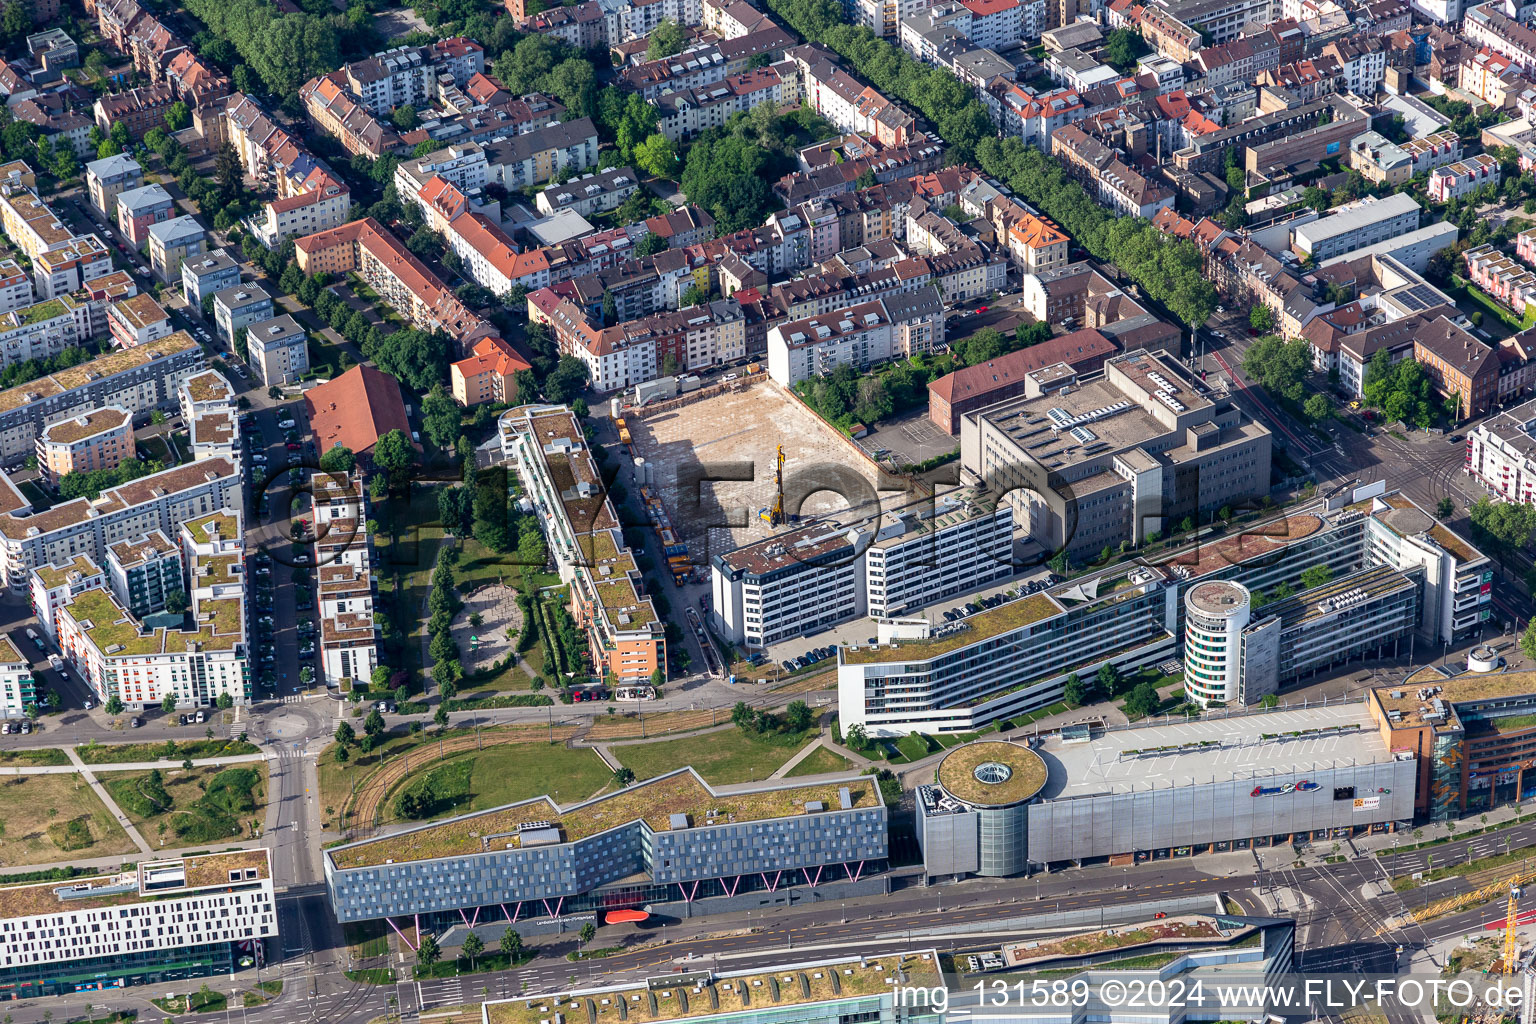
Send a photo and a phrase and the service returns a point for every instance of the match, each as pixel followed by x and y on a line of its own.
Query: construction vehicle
pixel 774 514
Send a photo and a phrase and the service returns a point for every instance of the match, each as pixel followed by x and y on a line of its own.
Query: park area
pixel 494 776
pixel 175 806
pixel 721 758
pixel 696 441
pixel 49 818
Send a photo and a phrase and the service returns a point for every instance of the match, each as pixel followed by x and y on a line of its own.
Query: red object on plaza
pixel 624 916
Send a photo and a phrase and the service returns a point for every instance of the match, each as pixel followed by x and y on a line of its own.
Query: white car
pixel 258 457
pixel 284 424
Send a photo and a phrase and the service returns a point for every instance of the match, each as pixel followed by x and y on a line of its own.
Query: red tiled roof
pixel 355 408
pixel 1076 348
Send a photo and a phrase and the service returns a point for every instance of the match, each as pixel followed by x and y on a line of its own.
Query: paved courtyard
pixel 501 622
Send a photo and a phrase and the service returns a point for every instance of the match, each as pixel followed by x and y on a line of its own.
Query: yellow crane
pixel 1508 962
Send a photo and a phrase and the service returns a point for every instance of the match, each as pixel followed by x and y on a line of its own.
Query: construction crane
pixel 1509 958
pixel 774 515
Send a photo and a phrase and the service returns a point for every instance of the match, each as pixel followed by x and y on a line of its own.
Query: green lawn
pixel 722 758
pixel 170 750
pixel 821 761
pixel 507 773
pixel 510 678
pixel 38 757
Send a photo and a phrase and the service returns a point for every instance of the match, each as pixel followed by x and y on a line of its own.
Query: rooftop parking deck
pixel 1216 750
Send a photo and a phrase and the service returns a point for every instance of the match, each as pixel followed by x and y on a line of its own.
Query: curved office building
pixel 979 810
pixel 1215 615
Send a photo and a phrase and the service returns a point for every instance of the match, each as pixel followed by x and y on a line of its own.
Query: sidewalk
pixel 78 765
pixel 106 799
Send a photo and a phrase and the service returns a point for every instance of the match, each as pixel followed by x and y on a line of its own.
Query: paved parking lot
pixel 909 439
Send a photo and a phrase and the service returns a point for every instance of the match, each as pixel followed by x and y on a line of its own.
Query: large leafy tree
pixel 440 417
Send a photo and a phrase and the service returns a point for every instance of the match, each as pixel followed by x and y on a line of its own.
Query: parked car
pixel 201 716
pixel 285 424
pixel 88 704
pixel 136 722
pixel 26 727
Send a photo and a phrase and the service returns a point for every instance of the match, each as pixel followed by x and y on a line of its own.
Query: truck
pixel 57 662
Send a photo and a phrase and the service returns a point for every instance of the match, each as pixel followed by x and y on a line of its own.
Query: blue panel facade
pixel 570 868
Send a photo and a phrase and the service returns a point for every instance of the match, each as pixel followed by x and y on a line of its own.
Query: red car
pixel 293 446
pixel 981 309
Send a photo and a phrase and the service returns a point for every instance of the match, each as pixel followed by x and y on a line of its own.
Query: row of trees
pixel 283 50
pixel 1168 270
pixel 90 483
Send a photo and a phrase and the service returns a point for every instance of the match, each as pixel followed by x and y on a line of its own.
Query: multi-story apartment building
pixel 43 329
pixel 1126 453
pixel 137 321
pixel 278 350
pixel 1510 282
pixel 1486 25
pixel 625 634
pixel 622 850
pixel 487 374
pixel 207 391
pixel 139 208
pixel 409 74
pixel 139 379
pixel 15 286
pixel 463 165
pixel 1018 655
pixel 119 656
pixel 1433 151
pixel 1501 454
pixel 144 571
pixel 688 112
pixel 161 501
pixel 995 24
pixel 348 638
pixel 314 209
pixel 207 274
pixel 1037 245
pixel 881 563
pixel 490 256
pixel 160 923
pixel 99 439
pixel 850 105
pixel 1355 225
pixel 172 243
pixel 140 109
pixel 1458 364
pixel 105 179
pixel 540 155
pixel 238 307
pixel 1453 181
pixel 71 266
pixel 53 586
pixel 588 194
pixel 17 687
pixel 398 276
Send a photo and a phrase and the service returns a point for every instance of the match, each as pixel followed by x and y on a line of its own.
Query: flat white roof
pixel 1240 751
